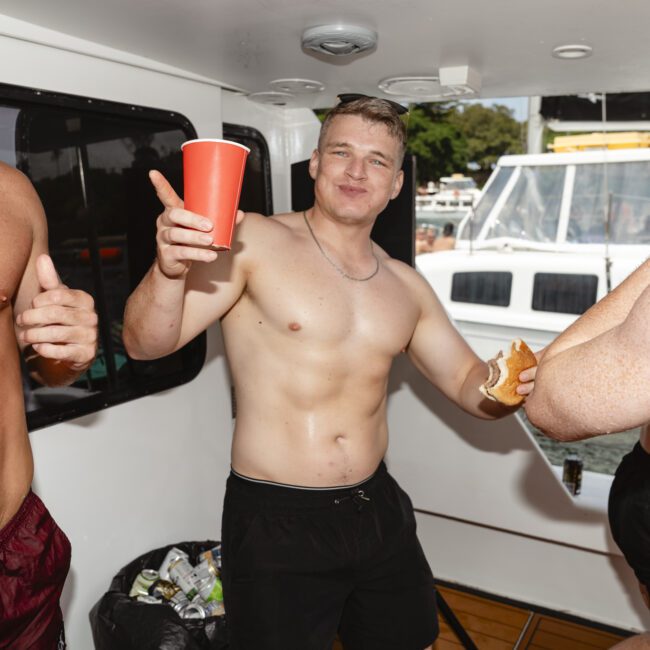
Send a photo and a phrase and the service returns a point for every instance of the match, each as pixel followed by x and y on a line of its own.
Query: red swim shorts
pixel 34 562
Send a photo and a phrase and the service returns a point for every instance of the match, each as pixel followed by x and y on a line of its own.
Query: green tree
pixel 438 143
pixel 489 133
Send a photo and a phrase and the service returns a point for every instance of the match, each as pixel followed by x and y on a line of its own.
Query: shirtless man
pixel 594 379
pixel 56 328
pixel 316 534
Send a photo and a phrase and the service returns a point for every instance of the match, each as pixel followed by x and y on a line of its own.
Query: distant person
pixel 56 329
pixel 447 241
pixel 594 379
pixel 424 239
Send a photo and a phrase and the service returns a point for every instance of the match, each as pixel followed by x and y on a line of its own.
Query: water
pixel 601 454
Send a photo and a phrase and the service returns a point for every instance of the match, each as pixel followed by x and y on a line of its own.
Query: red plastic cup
pixel 213 171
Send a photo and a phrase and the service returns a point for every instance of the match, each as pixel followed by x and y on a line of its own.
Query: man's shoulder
pixel 19 198
pixel 256 226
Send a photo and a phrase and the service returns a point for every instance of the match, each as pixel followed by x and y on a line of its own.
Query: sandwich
pixel 502 382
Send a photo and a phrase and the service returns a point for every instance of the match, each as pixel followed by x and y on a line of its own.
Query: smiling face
pixel 356 169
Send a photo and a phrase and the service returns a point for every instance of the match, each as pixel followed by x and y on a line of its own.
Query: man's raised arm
pixel 159 318
pixel 56 326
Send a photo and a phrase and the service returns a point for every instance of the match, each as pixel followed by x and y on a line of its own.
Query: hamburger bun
pixel 502 382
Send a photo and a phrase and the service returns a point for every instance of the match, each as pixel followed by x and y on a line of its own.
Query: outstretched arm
pixel 601 385
pixel 439 351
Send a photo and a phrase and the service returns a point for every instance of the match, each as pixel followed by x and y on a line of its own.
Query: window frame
pixel 542 276
pixel 232 131
pixel 20 96
pixel 458 276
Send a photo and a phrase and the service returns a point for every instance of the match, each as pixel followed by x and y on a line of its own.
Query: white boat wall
pixel 492 513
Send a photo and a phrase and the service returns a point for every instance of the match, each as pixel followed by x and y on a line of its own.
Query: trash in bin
pixel 176 602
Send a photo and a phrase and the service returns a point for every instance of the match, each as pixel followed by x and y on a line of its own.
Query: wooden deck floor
pixel 493 625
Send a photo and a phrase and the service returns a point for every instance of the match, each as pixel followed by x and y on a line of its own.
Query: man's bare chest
pixel 311 303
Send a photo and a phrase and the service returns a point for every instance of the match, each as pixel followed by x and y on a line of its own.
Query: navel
pixel 294 327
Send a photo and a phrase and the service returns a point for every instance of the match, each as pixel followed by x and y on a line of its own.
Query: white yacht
pixel 135 455
pixel 456 196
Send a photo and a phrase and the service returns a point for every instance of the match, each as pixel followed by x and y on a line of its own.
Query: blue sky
pixel 518 104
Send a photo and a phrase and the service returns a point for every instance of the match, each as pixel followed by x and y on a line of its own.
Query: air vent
pixel 339 40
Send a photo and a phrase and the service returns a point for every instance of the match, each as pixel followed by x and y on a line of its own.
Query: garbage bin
pixel 119 622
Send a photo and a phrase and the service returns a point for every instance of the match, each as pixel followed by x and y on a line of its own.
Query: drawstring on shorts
pixel 358 497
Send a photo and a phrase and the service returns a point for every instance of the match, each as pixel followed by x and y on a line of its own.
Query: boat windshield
pixel 473 226
pixel 532 211
pixel 627 182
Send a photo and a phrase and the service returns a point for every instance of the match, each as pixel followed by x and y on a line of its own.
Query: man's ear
pixel 399 181
pixel 313 164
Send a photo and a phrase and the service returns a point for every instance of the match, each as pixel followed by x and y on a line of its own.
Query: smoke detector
pixel 338 40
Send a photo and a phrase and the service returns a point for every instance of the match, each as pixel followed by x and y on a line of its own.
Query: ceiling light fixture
pixel 271 98
pixel 297 86
pixel 457 81
pixel 572 51
pixel 338 40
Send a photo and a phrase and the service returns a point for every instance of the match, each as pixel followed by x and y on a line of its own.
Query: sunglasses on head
pixel 346 98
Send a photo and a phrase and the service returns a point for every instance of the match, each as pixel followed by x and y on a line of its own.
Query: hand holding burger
pixel 504 378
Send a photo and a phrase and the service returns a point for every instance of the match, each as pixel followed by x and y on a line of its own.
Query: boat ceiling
pixel 246 44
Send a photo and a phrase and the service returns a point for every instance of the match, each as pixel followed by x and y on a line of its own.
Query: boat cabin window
pixel 532 210
pixel 486 203
pixel 564 293
pixel 256 188
pixel 482 288
pixel 89 162
pixel 629 208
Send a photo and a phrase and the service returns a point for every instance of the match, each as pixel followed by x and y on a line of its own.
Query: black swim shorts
pixel 300 565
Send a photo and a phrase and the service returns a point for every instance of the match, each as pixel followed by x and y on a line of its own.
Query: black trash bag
pixel 119 622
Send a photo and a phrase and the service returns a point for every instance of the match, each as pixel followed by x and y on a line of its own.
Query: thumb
pixel 48 278
pixel 164 190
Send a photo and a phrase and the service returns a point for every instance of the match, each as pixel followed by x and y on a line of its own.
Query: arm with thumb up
pixel 58 329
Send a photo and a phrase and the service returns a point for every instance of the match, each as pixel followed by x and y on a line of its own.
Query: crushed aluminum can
pixel 179 602
pixel 572 473
pixel 152 600
pixel 172 555
pixel 208 584
pixel 214 608
pixel 163 589
pixel 142 582
pixel 193 610
pixel 180 573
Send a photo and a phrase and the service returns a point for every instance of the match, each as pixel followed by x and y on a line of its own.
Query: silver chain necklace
pixel 336 266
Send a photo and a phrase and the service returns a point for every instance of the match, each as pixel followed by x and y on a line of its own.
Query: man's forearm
pixel 474 402
pixel 599 386
pixel 153 315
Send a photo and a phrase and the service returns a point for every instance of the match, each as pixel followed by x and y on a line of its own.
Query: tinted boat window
pixel 486 203
pixel 564 293
pixel 89 167
pixel 532 210
pixel 482 288
pixel 627 182
pixel 256 188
